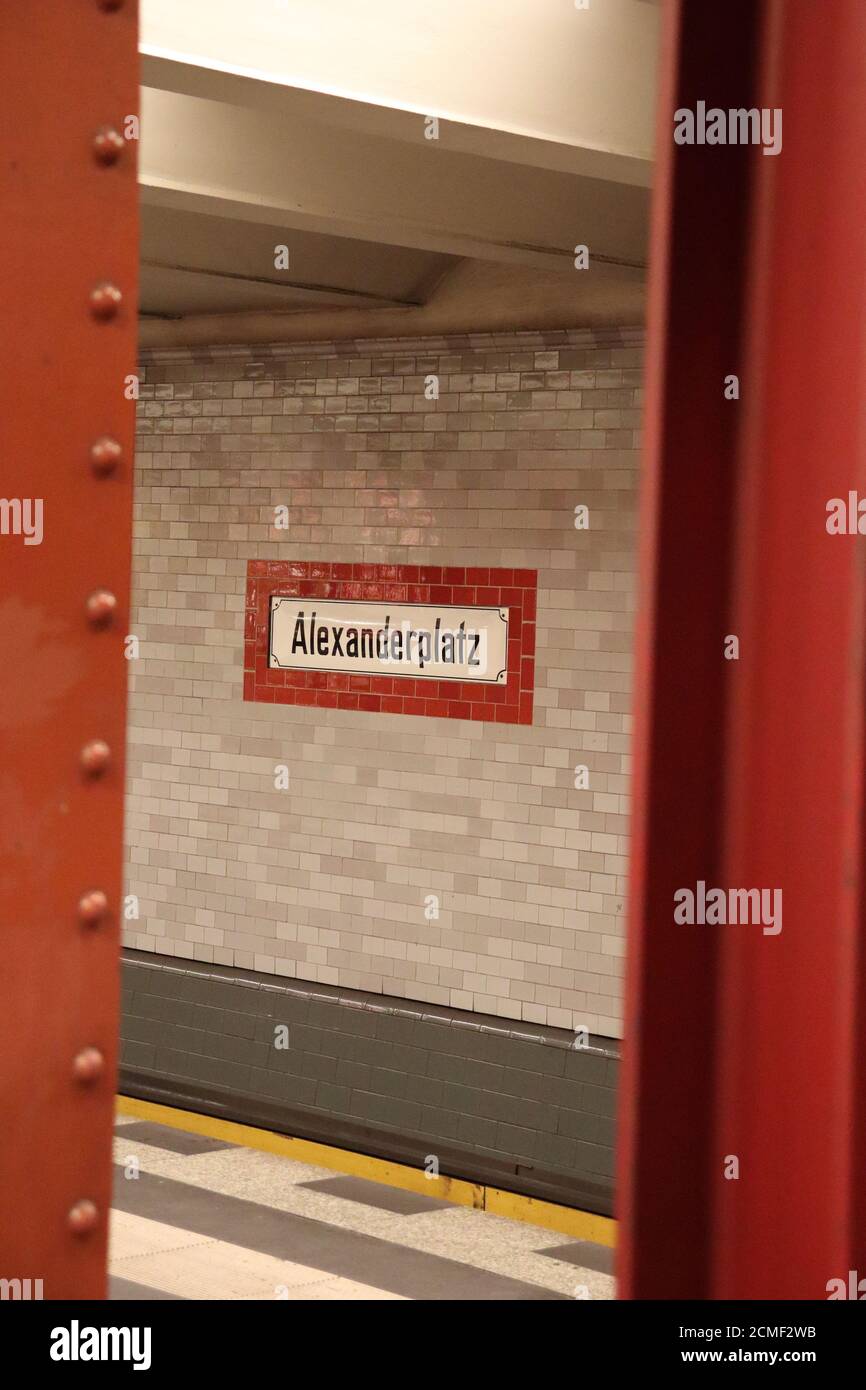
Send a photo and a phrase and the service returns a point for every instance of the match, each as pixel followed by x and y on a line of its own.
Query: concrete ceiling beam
pixel 259 166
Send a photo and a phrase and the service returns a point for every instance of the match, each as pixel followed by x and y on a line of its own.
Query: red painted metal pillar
pixel 743 1044
pixel 68 275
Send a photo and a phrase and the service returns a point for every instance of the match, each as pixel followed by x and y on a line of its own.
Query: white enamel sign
pixel 358 638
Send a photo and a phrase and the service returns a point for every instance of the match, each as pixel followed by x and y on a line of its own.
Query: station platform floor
pixel 199 1218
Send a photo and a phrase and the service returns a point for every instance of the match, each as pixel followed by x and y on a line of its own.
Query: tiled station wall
pixel 327 881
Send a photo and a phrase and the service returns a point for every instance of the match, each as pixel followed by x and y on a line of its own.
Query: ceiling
pixel 289 124
pixel 195 263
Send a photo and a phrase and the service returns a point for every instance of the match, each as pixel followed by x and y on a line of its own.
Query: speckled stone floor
pixel 208 1220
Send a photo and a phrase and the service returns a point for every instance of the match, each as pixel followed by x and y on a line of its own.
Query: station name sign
pixel 356 637
pixel 352 636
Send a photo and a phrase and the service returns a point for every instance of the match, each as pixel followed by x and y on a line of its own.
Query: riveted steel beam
pixel 68 272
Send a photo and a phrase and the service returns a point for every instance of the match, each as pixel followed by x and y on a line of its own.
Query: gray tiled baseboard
pixel 509 1104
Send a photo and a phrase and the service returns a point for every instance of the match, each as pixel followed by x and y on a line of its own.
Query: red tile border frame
pixel 460 585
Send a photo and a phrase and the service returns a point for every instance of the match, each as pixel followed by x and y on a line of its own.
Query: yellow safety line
pixel 567 1220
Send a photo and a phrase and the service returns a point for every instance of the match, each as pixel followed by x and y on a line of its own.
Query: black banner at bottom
pixel 159 1337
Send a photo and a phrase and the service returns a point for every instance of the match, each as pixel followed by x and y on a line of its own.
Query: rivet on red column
pixel 89 1064
pixel 92 907
pixel 101 607
pixel 105 300
pixel 108 145
pixel 83 1217
pixel 105 454
pixel 110 4
pixel 95 757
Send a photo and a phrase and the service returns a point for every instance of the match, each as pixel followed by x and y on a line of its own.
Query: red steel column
pixel 791 1086
pixel 68 276
pixel 740 1044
